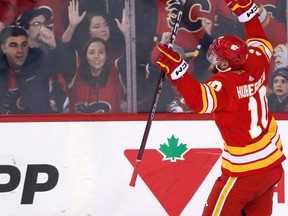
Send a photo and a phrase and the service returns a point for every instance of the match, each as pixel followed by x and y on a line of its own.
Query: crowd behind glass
pixel 70 56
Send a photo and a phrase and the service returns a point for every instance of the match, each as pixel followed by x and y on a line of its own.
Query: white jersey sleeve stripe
pixel 210 100
pixel 267 48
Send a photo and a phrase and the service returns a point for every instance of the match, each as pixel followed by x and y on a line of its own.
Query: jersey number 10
pixel 255 127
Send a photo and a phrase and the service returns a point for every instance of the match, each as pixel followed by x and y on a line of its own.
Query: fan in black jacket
pixel 24 73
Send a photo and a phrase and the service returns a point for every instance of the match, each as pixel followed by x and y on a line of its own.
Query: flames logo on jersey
pixel 13 103
pixel 192 14
pixel 96 107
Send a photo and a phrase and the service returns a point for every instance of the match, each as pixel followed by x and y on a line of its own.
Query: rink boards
pixel 81 168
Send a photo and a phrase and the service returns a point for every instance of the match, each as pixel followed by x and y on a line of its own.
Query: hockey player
pixel 236 95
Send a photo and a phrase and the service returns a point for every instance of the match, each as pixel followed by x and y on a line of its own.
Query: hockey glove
pixel 244 9
pixel 171 62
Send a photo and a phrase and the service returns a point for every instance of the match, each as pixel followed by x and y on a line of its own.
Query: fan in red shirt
pixel 190 36
pixel 97 87
pixel 191 30
pixel 236 95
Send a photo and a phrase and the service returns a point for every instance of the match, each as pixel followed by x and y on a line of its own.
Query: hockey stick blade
pixel 155 100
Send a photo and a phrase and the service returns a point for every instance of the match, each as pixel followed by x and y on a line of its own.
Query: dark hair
pixel 11 31
pixel 30 13
pixel 82 32
pixel 85 67
pixel 90 15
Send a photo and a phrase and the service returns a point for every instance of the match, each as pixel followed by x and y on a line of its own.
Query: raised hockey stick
pixel 155 99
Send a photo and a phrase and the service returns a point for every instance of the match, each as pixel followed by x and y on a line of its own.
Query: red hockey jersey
pixel 94 98
pixel 239 106
pixel 191 30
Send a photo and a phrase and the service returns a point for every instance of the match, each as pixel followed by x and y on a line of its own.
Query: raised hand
pixel 165 39
pixel 244 9
pixel 207 24
pixel 122 25
pixel 171 62
pixel 73 13
pixel 74 20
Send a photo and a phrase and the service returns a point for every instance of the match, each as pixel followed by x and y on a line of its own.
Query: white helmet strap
pixel 223 71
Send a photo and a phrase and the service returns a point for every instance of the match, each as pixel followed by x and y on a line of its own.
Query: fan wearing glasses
pixel 37 22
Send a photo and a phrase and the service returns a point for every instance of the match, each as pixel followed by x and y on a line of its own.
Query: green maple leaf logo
pixel 173 151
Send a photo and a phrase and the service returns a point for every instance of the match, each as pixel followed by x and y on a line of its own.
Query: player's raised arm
pixel 236 95
pixel 247 12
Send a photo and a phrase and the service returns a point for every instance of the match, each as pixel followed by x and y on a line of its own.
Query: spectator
pixel 97 87
pixel 91 25
pixel 112 9
pixel 60 15
pixel 25 72
pixel 36 21
pixel 278 100
pixel 192 33
pixel 177 103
